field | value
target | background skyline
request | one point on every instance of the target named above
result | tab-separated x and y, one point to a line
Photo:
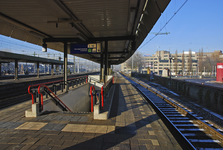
197	24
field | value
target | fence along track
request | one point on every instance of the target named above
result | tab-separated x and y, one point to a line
195	130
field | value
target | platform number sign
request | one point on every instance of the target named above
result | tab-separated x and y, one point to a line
91	48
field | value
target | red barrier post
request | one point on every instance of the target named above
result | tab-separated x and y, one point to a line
102	98
92	98
86	79
41	97
113	80
31	94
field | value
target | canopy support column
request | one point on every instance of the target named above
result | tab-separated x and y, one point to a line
102	68
106	61
52	69
65	66
37	69
16	69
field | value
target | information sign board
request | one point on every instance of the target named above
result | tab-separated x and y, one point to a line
91	48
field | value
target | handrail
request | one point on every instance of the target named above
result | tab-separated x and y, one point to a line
43	85
31	94
41	97
92	101
102	92
35	85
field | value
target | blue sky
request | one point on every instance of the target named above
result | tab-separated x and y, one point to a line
198	24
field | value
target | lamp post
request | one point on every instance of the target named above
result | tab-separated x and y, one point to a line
170	70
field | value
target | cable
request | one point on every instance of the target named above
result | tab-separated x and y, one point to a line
164	25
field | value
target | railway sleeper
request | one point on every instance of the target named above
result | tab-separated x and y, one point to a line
206	143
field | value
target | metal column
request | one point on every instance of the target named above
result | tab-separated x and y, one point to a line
74	66
65	66
106	61
52	69
16	69
102	68
37	69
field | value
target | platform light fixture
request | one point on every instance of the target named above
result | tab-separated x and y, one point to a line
44	47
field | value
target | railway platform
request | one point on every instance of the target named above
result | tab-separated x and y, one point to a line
133	124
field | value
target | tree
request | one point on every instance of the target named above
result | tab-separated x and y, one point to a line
190	61
183	62
211	60
200	60
175	62
137	61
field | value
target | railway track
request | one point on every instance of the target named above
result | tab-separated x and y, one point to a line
192	131
11	95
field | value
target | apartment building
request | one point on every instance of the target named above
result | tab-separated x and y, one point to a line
164	60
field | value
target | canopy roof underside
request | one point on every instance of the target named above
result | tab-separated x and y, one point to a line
123	23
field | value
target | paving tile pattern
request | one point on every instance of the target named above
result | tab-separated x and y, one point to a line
133	124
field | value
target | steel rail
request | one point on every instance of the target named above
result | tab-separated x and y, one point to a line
207	129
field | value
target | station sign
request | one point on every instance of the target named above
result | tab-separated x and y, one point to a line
91	48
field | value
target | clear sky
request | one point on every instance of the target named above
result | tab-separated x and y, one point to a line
198	24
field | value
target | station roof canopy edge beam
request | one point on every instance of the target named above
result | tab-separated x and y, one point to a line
123	23
6	57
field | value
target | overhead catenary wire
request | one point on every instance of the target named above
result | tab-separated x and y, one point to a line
164	25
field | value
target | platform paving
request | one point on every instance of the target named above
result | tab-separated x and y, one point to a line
133	124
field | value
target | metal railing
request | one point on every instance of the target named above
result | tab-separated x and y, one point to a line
56	100
33	89
94	97
104	90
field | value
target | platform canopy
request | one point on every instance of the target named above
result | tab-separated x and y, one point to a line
123	23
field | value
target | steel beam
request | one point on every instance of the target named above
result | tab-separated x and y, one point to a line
63	40
108	58
83	29
23	24
112	38
118	52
